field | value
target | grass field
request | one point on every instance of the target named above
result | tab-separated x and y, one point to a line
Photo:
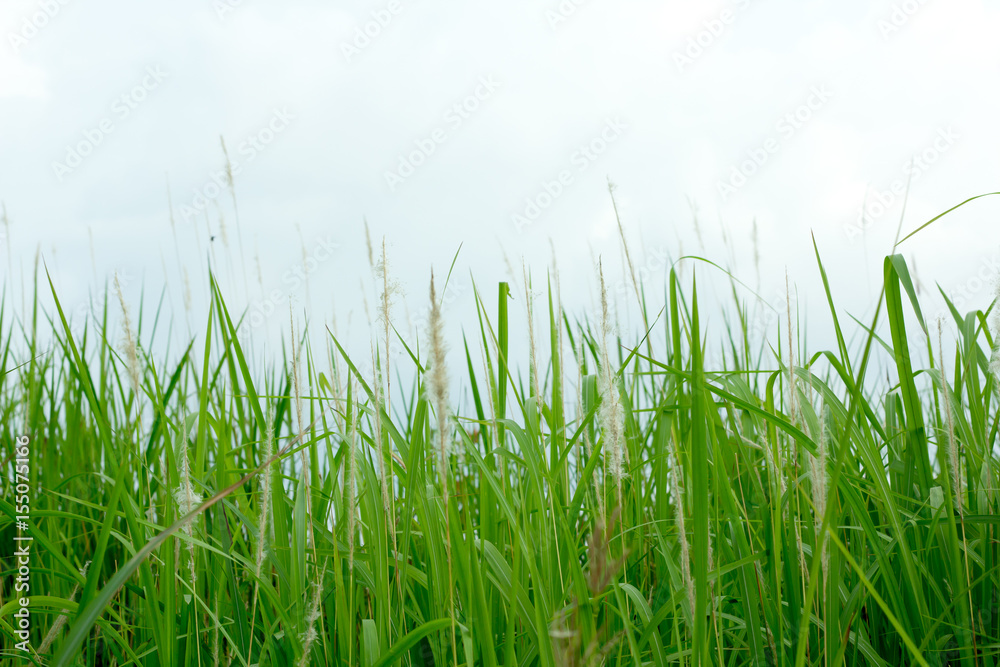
609	500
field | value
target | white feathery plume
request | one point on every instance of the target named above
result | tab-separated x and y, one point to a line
529	304
223	232
954	461
437	389
792	399
231	185
187	499
61	620
368	243
676	477
310	635
389	291
817	471
380	445
264	514
437	385
187	291
304	455
264	482
793	409
305	260
611	415
130	347
260	272
956	475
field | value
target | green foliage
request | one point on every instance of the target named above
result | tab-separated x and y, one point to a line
828	519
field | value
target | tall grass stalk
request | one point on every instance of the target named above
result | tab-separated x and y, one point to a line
676	494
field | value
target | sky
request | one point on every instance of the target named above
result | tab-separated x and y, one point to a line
486	134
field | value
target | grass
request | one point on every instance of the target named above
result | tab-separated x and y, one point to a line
629	503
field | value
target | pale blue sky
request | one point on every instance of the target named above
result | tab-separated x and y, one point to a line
797	106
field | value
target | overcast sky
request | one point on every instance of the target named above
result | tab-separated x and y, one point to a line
494	127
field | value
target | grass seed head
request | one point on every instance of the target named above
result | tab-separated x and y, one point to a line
130	347
368	242
817	471
437	385
677	484
187	499
952	443
611	415
264	481
309	635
